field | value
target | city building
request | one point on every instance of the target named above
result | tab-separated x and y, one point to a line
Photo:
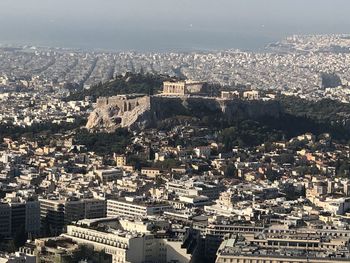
133	207
108	175
279	248
120	160
56	213
136	247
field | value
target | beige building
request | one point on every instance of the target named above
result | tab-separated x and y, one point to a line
335	206
191	188
251	95
120	160
128	184
150	172
283	248
220	227
131	247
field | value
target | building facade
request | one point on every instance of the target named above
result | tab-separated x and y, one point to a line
181	88
55	214
134	208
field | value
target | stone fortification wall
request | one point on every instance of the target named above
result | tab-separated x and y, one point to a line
123	102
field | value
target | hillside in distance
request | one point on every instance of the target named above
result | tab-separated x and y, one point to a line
295	115
129	83
135	83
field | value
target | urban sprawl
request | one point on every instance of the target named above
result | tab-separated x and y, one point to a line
177	194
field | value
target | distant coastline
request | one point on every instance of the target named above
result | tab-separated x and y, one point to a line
176	42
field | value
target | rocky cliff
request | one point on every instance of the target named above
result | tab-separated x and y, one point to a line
122	111
118	111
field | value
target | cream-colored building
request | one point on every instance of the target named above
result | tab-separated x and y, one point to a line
131	247
251	95
150	172
335	206
128	184
120	160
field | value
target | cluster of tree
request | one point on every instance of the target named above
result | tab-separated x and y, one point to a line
101	143
167	164
253	132
126	84
285	158
325	110
73	87
292	192
343	167
230	171
294	124
104	143
39	130
138	161
269	129
247	133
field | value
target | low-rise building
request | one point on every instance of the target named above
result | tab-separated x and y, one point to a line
150	172
278	248
136	247
135	208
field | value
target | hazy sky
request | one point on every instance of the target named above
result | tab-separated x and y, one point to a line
165	24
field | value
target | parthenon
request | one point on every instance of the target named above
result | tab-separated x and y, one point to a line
181	88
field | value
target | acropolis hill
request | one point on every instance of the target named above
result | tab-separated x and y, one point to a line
136	110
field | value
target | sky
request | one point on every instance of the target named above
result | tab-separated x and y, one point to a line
161	25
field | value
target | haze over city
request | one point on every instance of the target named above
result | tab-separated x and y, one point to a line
163	25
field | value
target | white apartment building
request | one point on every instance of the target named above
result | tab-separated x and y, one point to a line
132	208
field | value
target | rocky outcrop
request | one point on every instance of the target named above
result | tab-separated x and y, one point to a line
104	118
142	111
118	111
200	107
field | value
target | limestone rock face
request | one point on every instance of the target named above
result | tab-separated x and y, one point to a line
118	111
104	119
139	111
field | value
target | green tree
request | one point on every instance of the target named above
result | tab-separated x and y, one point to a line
272	175
230	171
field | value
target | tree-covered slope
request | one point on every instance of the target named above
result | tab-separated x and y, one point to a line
127	84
